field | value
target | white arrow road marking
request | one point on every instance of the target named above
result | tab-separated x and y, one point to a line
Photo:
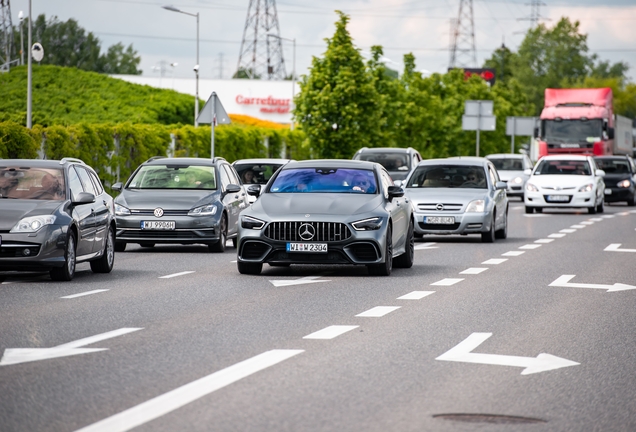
530	246
557	235
563	281
494	261
82	294
415	295
578	226
175	399
513	253
331	332
175	275
462	353
301	281
474	270
567	230
378	311
544	241
23	355
423	246
448	281
615	247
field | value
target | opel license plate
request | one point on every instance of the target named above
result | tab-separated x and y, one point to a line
307	247
158	225
440	220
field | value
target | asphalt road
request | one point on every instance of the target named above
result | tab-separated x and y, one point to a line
462	341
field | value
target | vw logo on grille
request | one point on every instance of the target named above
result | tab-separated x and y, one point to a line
158	212
439	207
306	231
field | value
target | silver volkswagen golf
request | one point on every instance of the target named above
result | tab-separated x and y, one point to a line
327	212
458	196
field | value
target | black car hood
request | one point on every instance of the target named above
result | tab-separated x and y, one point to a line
176	199
616	177
279	204
11	211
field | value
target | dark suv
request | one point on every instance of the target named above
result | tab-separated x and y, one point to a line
180	200
399	162
54	214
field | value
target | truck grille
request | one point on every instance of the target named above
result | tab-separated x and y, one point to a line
300	231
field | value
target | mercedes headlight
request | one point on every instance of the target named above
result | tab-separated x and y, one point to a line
252	223
586	188
476	206
120	210
624	184
368	224
32	224
531	188
206	210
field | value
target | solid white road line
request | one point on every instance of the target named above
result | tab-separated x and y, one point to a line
415	295
513	253
530	246
495	261
85	293
578	226
331	332
175	275
474	270
168	402
447	281
378	311
542	241
557	235
567	230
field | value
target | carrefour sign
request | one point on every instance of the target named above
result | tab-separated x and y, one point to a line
269	104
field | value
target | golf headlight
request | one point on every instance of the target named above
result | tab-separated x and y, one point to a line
517	180
625	183
476	206
120	210
368	224
206	210
251	223
586	188
531	188
32	224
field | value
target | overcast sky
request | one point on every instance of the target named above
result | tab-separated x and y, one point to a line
400	26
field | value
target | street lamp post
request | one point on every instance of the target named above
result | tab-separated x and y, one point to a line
293	80
29	75
21	18
196	66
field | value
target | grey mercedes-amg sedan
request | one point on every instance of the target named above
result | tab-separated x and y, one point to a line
327	212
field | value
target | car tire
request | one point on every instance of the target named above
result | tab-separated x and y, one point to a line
489	236
503	233
67	271
592	210
147	244
235	242
104	264
631	201
249	268
601	207
529	210
406	259
219	246
120	246
385	268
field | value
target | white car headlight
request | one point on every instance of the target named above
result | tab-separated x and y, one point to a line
517	180
368	224
586	188
624	184
32	224
206	210
476	206
531	188
120	210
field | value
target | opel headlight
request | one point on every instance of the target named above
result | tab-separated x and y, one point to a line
586	188
120	210
368	224
32	224
531	188
206	210
251	223
625	183
476	206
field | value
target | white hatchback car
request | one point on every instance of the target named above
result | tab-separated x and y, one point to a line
565	181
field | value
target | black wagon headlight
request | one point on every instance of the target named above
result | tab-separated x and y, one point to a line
368	224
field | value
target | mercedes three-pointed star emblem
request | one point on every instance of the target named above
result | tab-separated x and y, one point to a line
306	231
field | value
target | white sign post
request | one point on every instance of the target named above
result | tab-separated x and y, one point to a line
478	116
523	126
213	113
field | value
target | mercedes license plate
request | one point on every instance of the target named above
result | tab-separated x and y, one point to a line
440	220
157	225
558	198
307	247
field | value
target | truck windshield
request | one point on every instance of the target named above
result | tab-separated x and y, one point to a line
572	131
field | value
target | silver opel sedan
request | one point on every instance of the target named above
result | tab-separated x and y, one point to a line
458	196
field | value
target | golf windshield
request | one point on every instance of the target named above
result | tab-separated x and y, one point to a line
174	177
325	180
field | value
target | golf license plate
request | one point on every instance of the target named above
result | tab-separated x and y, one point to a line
307	247
558	198
158	225
439	220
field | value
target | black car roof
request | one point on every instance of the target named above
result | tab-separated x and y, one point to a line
330	163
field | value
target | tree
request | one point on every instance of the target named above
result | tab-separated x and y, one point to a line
338	106
502	62
390	101
118	61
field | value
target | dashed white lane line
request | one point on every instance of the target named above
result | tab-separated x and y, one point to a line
474	270
578	226
85	293
607	216
378	311
587	223
175	275
542	241
495	261
596	219
175	399
301	281
423	246
622	214
530	246
447	281
567	230
415	295
234	262
331	332
539	215
557	235
513	253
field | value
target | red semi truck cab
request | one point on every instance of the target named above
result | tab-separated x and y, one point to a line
576	121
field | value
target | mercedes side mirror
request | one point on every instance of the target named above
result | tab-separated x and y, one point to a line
254	190
84	198
395	192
